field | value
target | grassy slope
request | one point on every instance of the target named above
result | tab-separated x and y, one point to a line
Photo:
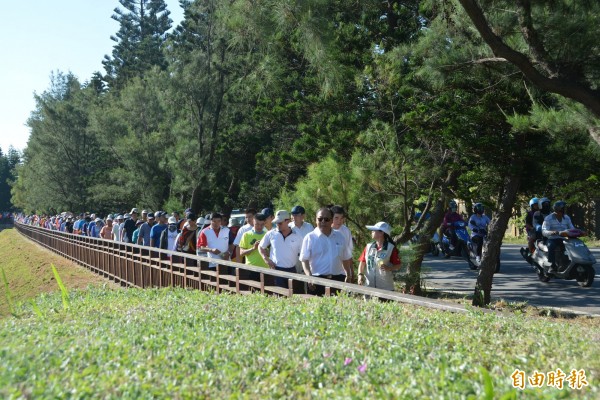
28	271
187	344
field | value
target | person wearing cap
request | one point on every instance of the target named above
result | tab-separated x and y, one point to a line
69	224
144	236
169	235
379	259
186	239
117	228
157	230
339	224
324	253
250	213
214	240
250	241
145	215
200	222
285	245
107	230
129	226
183	221
268	213
299	224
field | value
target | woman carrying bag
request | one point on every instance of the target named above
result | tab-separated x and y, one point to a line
379	259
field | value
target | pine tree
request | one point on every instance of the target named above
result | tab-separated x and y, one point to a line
144	25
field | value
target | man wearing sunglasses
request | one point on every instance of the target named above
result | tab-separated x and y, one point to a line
324	253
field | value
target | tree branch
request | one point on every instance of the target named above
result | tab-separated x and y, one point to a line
540	55
573	90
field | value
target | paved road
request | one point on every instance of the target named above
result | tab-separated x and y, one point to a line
516	281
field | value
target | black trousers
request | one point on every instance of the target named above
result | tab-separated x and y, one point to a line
320	290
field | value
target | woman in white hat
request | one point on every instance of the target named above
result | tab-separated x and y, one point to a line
379	259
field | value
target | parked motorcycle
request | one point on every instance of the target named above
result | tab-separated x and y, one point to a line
462	243
434	244
473	252
574	261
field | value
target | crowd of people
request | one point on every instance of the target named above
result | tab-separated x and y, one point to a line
283	241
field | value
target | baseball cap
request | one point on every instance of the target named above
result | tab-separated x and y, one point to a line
144	211
267	212
200	221
298	210
281	216
172	220
381	226
151	215
134	210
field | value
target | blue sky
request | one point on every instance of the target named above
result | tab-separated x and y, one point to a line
41	37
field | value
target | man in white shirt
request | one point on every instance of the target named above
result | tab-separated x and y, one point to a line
339	224
214	240
285	247
116	229
298	224
324	253
250	213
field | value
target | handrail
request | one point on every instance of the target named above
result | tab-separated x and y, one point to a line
139	266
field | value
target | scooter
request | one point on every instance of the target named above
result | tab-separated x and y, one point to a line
462	243
435	243
573	262
473	251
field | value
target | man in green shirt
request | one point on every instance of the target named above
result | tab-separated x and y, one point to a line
251	239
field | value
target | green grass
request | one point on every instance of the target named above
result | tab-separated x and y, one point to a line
130	344
28	271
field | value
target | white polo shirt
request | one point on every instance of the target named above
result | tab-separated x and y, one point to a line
284	251
241	231
208	238
325	253
304	230
347	237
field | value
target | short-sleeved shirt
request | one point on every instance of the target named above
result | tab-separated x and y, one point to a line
304	230
240	233
247	241
209	238
347	237
285	251
325	253
128	228
145	233
155	233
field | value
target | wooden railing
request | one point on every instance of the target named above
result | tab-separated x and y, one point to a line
145	267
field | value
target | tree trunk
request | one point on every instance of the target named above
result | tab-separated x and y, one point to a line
413	279
491	248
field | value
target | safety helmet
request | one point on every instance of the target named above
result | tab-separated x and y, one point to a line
542	201
478	208
453	206
533	201
559	206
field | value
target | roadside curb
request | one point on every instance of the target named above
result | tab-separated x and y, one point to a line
557	309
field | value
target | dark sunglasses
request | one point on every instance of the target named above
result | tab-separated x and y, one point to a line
326	219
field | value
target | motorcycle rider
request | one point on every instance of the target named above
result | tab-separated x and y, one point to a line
450	218
553	224
529	228
540	215
478	224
